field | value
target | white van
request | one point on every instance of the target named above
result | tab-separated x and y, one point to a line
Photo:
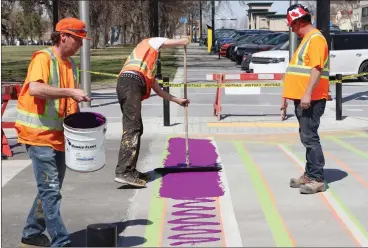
348	56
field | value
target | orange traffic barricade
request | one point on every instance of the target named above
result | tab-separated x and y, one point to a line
223	78
9	92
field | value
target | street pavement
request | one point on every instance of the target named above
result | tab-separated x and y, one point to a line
248	203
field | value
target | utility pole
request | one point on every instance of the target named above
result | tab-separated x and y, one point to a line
323	24
156	34
55	12
323	19
213	50
84	54
200	20
292	37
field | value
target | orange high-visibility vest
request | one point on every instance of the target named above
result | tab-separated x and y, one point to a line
298	71
143	59
40	121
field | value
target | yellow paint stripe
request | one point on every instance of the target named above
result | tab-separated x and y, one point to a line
252	124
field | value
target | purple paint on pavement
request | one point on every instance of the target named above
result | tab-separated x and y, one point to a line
192	225
194	190
191	185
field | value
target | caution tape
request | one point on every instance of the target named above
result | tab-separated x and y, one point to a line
110	74
226	85
206	85
349	77
101	73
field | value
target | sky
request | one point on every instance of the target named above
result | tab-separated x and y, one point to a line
239	11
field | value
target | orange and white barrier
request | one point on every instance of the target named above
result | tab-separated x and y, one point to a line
224	78
247	76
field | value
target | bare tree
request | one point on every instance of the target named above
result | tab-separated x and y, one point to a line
344	10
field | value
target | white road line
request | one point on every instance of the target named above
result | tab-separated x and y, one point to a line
354	110
359	236
11	168
229	222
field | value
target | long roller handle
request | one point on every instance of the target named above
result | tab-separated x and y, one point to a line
186	108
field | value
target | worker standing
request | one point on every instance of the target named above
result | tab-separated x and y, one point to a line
136	79
50	93
306	83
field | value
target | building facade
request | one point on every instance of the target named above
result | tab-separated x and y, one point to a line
360	16
261	17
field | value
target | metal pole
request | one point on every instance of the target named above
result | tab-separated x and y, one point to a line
155	19
292	37
55	12
84	54
339	97
323	24
156	34
213	49
200	20
166	103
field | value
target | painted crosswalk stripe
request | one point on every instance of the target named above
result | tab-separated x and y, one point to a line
153	232
229	222
276	223
349	147
356	229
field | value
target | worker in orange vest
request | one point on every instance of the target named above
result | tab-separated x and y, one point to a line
306	82
50	92
136	79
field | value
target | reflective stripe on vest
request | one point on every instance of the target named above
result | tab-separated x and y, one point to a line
50	120
132	60
300	68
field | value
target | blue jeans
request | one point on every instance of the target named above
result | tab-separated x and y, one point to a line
309	121
49	170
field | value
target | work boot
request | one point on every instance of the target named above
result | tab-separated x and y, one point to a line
312	187
297	182
36	240
131	179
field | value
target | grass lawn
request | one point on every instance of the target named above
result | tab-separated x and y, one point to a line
15	61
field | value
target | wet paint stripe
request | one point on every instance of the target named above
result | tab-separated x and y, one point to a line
355	227
154	232
229	222
349	147
281	235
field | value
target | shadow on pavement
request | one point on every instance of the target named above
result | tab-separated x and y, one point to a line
333	175
357	96
79	238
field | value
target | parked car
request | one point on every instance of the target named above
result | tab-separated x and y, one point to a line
226	48
237	33
278	40
239	50
348	56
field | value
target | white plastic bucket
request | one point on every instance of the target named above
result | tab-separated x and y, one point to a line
84	134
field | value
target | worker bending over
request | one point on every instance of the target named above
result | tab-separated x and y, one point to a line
136	79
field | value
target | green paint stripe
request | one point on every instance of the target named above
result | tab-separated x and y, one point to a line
274	220
339	201
349	214
152	233
349	147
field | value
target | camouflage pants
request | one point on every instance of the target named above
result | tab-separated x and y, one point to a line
129	91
